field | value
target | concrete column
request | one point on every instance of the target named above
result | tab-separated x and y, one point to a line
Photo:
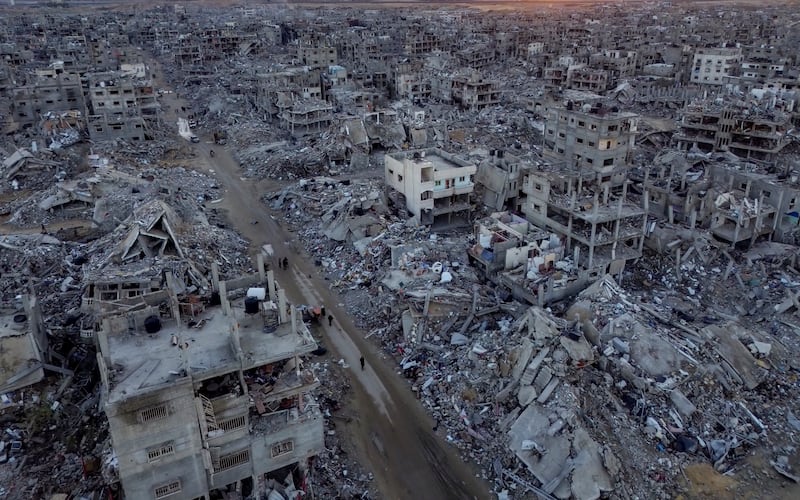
214	276
223	297
576	255
282	306
260	265
271	285
670	214
678	262
692	219
294	318
591	246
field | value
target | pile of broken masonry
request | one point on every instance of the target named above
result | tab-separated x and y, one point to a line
619	391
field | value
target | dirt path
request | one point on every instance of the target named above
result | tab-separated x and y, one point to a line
391	431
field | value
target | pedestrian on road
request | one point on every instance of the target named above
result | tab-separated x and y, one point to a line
436	426
280	264
330	320
362	362
322	311
285	263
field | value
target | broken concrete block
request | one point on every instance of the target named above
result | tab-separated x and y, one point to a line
459	339
762	348
579	350
526	395
590	478
682	403
543	378
551	386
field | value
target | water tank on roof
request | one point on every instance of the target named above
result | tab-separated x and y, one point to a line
251	305
152	324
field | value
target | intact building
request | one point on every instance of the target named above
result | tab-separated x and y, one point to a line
434	186
711	65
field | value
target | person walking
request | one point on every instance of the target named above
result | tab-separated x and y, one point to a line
322	311
330	320
362	362
285	263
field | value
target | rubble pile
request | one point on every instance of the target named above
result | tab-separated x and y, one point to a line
335	473
505	384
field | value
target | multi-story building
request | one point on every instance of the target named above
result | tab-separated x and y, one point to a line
53	92
435	186
307	116
118	106
471	91
588	135
710	66
206	394
601	227
582	77
748	132
317	56
618	64
528	261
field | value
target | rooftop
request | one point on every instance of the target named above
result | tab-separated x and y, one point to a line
140	361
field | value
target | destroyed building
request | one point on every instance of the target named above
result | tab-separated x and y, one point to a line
433	186
24	345
752	132
119	105
220	400
53	91
500	175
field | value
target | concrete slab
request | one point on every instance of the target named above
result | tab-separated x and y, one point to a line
532	424
589	479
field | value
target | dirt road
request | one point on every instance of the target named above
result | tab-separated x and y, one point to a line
391	432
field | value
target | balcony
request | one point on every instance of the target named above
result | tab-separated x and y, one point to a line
443	192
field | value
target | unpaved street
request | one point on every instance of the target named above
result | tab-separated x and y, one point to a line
391	432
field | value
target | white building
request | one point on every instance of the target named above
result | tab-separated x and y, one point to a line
436	185
712	65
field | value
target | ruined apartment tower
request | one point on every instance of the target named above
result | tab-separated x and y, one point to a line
433	185
582	195
750	132
208	395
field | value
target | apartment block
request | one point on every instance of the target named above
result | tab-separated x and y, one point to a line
317	56
472	91
206	394
588	135
52	92
750	132
582	77
434	186
710	66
